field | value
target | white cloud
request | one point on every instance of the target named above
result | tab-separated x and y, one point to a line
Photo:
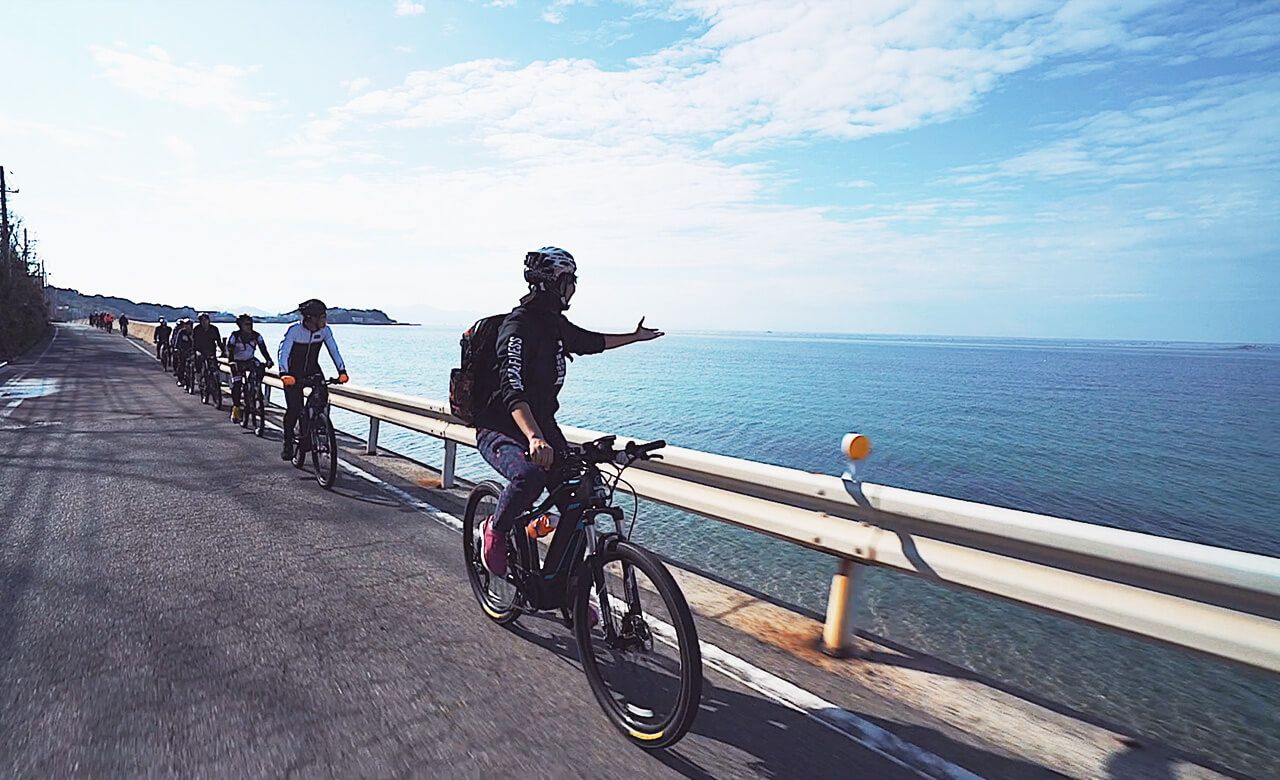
764	72
409	8
1213	125
155	75
179	148
356	85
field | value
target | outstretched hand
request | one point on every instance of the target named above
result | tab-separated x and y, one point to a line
646	334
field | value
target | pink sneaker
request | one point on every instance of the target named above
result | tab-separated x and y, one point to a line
494	550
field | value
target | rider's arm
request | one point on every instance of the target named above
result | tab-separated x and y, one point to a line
286	346
513	343
262	345
580	341
584	342
332	345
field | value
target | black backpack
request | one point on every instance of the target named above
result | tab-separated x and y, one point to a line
475	380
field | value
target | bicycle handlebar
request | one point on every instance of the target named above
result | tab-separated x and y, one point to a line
602	451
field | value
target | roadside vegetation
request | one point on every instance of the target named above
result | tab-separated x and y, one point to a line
24	312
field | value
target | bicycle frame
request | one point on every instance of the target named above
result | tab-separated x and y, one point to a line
545	585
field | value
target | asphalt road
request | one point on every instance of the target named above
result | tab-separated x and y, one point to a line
175	600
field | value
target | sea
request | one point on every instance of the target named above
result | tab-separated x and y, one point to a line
1176	439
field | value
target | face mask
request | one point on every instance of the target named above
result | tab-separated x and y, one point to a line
567	285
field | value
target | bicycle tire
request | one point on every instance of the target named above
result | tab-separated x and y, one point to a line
674	727
260	423
477	575
215	389
326	473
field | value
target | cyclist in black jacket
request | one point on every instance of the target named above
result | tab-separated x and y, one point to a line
517	430
161	336
207	339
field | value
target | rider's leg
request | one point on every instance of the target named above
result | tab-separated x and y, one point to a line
292	411
525	482
237	383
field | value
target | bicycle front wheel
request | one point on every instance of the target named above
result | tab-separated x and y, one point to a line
641	656
324	451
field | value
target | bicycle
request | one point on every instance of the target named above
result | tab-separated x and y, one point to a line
210	381
184	367
165	354
254	410
315	432
649	698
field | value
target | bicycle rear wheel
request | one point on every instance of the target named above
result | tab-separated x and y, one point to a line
642	658
324	451
260	412
213	379
497	595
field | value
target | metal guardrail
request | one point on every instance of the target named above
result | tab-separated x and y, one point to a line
1220	602
1215	601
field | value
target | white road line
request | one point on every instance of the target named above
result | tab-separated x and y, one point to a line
143	349
8	409
43	352
867	734
5	363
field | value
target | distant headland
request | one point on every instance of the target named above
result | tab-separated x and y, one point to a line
68	305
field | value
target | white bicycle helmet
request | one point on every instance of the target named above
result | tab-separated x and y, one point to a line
551	269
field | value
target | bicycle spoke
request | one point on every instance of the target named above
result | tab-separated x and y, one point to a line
643	677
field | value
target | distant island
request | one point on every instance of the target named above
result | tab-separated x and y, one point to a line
66	305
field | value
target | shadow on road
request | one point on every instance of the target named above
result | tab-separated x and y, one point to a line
775	740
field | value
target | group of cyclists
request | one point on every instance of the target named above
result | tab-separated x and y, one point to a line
513	407
106	321
192	351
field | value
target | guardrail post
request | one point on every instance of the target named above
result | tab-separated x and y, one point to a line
371	446
266	395
838	632
450	456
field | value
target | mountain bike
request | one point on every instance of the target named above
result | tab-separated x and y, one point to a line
253	414
210	380
315	432
635	633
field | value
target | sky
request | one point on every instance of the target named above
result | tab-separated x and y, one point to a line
1065	169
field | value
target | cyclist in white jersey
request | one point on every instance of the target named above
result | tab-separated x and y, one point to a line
299	357
241	346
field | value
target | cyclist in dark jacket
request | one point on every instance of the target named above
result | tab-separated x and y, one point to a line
207	337
517	430
161	336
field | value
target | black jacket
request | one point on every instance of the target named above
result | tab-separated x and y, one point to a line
533	343
207	339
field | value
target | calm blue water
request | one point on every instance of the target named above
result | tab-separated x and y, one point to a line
1181	440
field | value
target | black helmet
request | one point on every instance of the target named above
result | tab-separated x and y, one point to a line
312	307
243	318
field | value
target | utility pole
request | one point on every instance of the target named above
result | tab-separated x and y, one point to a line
4	216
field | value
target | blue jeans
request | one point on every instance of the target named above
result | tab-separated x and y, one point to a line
509	456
